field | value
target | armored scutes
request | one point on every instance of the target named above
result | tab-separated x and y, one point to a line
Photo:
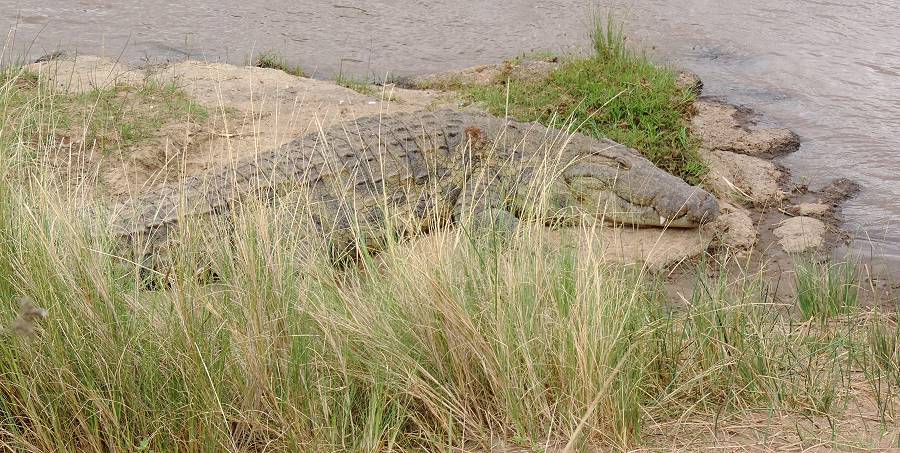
435	167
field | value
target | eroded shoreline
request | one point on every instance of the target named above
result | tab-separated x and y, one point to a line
509	346
257	109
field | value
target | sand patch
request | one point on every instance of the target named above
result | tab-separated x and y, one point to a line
86	73
655	249
527	70
800	234
250	110
742	178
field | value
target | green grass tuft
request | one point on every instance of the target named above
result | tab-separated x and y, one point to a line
825	290
608	38
616	93
360	86
107	118
274	60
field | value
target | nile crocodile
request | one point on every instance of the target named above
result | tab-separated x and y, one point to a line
436	167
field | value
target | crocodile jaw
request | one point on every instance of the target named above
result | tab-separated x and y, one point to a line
612	182
646	196
610	207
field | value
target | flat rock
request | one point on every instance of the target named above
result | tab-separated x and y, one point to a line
724	128
735	230
812	209
742	178
800	234
85	73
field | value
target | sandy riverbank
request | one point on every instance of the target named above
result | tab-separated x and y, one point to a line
255	109
448	336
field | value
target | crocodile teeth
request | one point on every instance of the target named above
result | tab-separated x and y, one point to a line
662	220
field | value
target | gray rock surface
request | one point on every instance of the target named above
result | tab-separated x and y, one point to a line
723	129
735	230
812	209
800	234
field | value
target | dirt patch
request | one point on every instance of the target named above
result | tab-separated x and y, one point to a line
484	75
653	249
860	427
85	73
735	230
743	178
250	110
800	234
812	209
768	221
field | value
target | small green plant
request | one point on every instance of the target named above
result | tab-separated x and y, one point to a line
111	117
360	86
825	290
608	39
274	60
539	55
883	337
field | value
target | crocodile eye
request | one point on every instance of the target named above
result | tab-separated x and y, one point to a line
475	135
607	155
598	158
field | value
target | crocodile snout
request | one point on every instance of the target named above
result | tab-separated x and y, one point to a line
637	192
703	207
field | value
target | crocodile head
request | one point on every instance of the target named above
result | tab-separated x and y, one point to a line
616	184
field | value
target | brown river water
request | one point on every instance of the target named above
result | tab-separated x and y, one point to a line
828	69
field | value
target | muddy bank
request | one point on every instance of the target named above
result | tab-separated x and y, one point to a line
767	222
764	217
250	110
831	76
256	109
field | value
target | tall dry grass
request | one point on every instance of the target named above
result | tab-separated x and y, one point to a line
253	341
